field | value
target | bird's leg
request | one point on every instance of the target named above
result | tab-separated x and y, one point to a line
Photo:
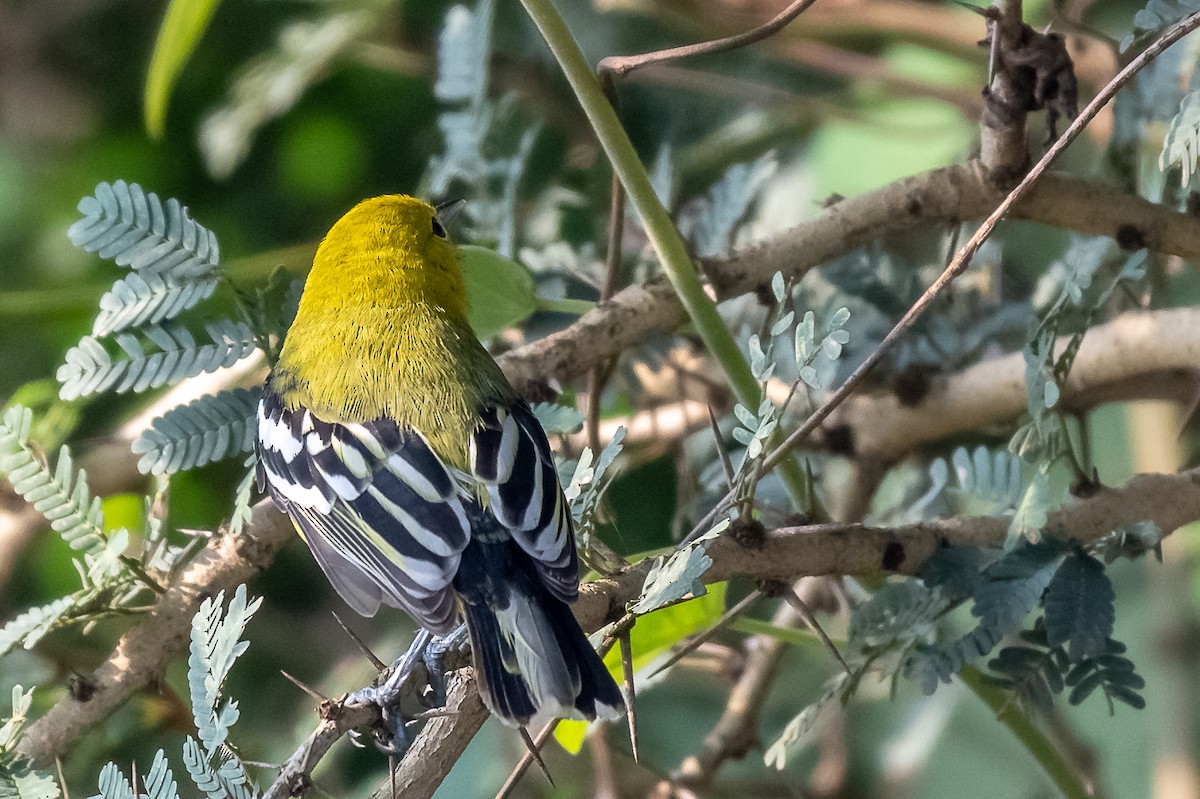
407	675
417	674
436	654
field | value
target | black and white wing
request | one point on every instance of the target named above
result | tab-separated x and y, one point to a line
511	456
379	510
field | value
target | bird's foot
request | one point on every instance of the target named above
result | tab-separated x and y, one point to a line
414	683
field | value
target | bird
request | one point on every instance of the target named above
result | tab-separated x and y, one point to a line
416	475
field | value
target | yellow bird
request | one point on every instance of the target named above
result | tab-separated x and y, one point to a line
416	475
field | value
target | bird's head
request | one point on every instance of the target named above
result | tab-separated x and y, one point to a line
389	250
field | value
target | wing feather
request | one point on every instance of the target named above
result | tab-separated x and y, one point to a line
377	507
511	456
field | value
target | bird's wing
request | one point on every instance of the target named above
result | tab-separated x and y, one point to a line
511	457
376	506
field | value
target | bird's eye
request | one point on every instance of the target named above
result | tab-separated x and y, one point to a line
438	230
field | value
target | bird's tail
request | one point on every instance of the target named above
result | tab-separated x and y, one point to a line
534	662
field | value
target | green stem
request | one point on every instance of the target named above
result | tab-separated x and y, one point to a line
58	299
565	305
664	237
1008	713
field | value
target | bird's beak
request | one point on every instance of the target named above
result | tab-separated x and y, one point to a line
448	210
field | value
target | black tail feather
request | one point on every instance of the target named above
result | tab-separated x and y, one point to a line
517	626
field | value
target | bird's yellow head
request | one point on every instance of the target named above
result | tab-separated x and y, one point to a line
387	251
382	329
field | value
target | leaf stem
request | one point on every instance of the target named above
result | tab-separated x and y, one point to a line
664	236
565	305
1008	713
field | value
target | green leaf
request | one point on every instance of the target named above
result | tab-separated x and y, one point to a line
673	577
182	27
500	290
1079	607
649	639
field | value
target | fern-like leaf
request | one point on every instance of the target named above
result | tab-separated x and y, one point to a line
244	496
90	369
22	783
213	783
795	735
1181	145
1079	607
136	229
31	626
1010	589
207	429
61	496
149	298
1112	673
1154	17
215	646
160	782
113	784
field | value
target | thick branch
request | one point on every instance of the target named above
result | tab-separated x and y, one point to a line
939	197
1137	355
144	652
440	744
1170	500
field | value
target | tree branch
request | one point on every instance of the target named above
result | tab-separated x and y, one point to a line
939	197
146	649
1140	355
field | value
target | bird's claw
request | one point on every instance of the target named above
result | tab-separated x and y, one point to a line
418	674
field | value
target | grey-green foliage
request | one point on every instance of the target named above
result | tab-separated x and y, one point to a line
172	259
811	359
901	615
977	482
212	766
1070	299
215	645
797	733
674	576
24	783
1036	671
244	496
61	495
173	355
1155	17
1079	610
589	481
557	419
270	84
174	265
1181	145
487	146
712	222
815	354
1010	588
207	429
17	780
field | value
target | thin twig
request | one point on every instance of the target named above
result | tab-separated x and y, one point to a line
630	692
623	65
736	732
698	639
526	760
